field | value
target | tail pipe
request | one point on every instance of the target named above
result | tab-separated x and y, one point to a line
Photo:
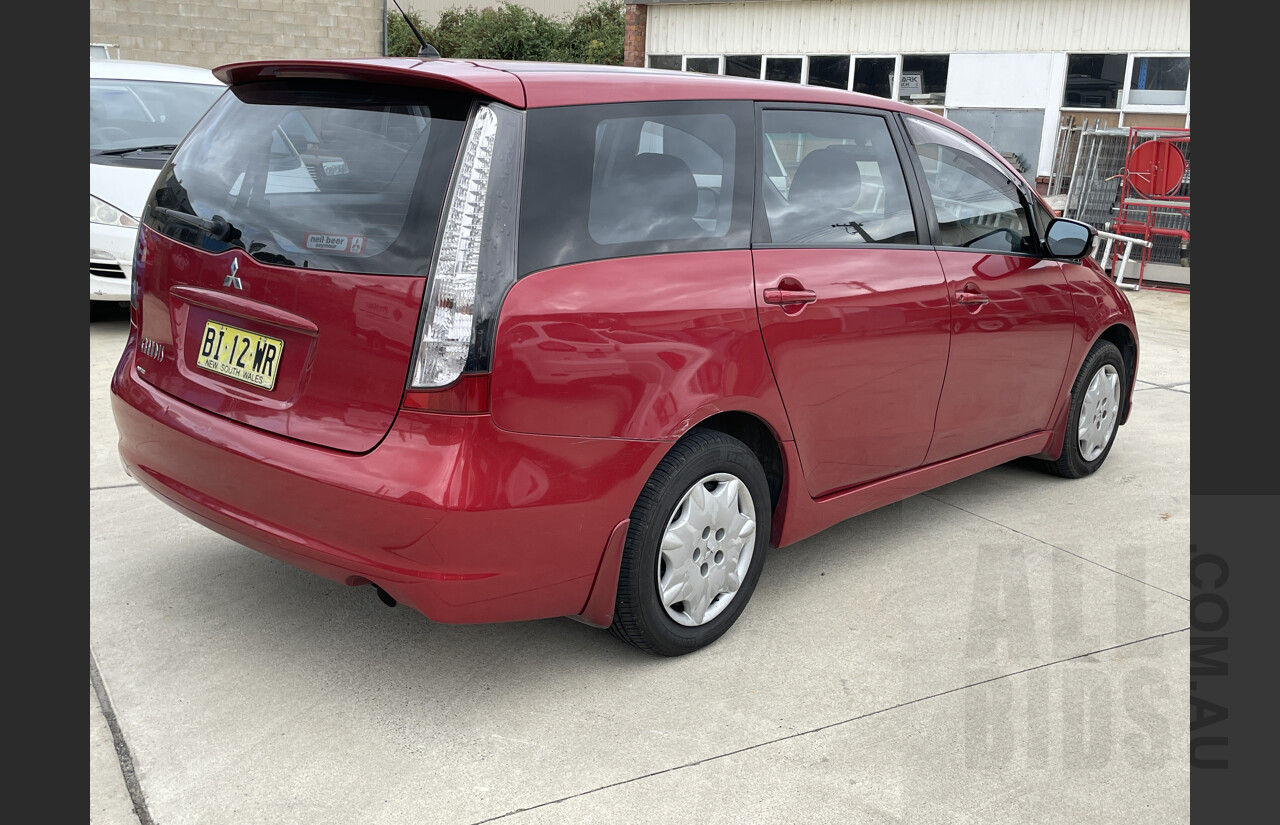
384	596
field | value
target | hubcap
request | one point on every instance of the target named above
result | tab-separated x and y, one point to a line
706	550
1099	411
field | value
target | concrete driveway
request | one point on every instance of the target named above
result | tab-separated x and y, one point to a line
1010	648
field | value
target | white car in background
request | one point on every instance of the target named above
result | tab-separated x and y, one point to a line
138	113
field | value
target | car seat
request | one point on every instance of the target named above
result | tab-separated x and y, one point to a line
660	196
825	187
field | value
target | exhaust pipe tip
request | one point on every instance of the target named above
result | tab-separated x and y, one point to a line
385	596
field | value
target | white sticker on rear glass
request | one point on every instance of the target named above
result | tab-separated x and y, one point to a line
325	242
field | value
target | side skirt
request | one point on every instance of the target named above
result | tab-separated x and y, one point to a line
799	516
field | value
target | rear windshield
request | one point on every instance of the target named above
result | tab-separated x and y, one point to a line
345	177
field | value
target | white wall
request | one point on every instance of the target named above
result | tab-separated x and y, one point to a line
898	26
979	80
1003	81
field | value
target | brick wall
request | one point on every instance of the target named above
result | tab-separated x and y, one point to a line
633	38
209	33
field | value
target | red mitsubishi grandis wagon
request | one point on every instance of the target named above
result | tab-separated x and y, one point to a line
510	341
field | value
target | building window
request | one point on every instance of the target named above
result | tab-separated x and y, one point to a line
705	65
664	61
831	71
874	75
742	65
924	79
1094	81
786	69
1159	81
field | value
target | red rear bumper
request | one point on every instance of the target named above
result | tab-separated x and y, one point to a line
451	515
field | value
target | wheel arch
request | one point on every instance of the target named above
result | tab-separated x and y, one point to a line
1123	337
1125	341
760	438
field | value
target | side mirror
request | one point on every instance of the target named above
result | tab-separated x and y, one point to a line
1067	238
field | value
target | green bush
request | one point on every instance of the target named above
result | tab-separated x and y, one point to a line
513	32
400	39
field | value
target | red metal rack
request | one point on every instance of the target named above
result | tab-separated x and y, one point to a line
1155	173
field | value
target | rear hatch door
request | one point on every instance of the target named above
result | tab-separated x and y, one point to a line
286	248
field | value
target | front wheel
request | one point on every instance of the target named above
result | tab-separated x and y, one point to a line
695	546
1097	397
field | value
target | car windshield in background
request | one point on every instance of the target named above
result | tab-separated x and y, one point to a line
131	115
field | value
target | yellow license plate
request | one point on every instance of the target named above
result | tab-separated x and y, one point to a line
244	356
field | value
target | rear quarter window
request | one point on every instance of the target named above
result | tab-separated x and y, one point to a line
635	179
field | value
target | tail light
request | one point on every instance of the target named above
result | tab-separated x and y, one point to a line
135	281
474	262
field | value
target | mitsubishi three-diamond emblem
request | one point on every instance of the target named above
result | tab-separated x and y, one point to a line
233	279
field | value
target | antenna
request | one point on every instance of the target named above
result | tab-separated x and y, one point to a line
426	49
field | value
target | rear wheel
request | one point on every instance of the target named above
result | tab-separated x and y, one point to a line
695	546
1097	397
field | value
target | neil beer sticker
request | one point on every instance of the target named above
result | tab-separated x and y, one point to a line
325	242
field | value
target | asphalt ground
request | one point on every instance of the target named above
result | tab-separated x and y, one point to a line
1009	648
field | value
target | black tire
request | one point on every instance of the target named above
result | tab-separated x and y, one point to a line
709	563
1084	449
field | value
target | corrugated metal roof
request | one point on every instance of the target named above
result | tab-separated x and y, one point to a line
919	26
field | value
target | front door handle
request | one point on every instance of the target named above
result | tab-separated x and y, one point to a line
787	297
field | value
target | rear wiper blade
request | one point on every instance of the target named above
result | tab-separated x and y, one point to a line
218	227
129	150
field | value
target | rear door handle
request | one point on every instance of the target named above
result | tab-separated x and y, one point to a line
971	298
786	297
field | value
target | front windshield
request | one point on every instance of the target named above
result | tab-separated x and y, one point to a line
127	115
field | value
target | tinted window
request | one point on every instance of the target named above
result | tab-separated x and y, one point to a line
831	71
784	69
742	65
874	76
654	179
976	199
635	179
1094	80
706	65
924	75
838	180
344	177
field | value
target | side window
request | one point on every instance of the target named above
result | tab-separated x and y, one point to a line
613	180
833	178
977	202
659	179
